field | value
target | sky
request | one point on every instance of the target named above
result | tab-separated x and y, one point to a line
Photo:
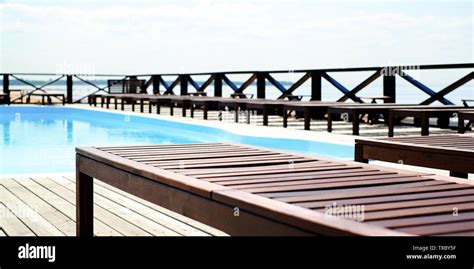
143	37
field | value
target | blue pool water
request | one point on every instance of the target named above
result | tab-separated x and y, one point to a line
43	139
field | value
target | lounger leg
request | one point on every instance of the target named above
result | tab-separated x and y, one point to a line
425	124
265	116
205	108
141	105
191	111
133	105
307	118
115	103
101	101
122	104
329	122
458	174
149	107
461	124
158	108
285	118
355	123
391	125
359	154
84	205
184	110
236	113
171	109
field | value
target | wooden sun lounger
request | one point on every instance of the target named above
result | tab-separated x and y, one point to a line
443	113
47	97
310	109
449	152
206	103
235	104
266	107
358	110
462	116
374	109
247	190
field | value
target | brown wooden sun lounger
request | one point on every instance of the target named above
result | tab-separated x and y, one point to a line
46	97
310	109
356	111
443	113
235	104
246	190
266	107
206	104
462	116
449	152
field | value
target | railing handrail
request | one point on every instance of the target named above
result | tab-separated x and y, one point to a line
183	81
345	69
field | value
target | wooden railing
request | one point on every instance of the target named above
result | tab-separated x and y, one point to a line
182	83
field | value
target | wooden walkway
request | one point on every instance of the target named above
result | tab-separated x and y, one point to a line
45	206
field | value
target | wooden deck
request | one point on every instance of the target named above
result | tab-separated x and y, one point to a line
45	206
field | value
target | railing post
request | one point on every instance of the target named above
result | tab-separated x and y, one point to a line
6	86
156	84
183	82
133	85
69	89
316	86
389	85
260	85
217	85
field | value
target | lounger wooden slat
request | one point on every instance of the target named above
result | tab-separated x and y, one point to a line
284	195
450	155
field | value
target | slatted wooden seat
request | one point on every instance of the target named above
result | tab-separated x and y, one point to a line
450	152
246	190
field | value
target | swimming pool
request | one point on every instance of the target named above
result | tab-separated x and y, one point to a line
43	139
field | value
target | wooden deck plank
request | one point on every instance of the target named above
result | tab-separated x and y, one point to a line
61	221
11	224
65	206
116	221
125	208
181	223
27	215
